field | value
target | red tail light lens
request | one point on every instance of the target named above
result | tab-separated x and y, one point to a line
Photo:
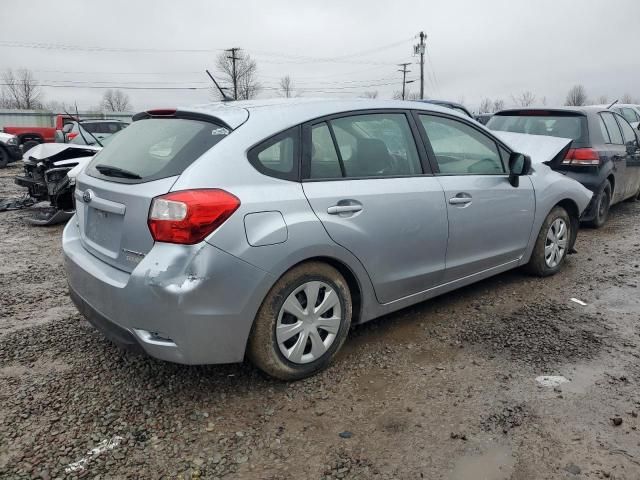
188	216
71	136
581	157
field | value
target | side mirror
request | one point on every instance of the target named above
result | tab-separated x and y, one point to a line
519	165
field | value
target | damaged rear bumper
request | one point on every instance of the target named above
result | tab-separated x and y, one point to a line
186	304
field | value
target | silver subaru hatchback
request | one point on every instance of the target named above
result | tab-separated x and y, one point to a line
266	229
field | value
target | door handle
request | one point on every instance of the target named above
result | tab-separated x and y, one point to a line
337	209
460	200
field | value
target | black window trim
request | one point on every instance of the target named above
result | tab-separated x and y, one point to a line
622	119
612	113
306	144
255	150
432	156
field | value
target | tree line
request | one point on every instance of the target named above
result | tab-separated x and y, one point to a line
21	91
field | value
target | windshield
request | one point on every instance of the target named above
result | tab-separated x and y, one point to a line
551	125
156	148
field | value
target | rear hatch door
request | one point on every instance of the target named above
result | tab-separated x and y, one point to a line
115	191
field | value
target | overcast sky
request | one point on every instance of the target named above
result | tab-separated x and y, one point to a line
476	49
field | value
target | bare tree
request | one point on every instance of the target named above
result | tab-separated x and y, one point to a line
525	99
246	71
626	98
603	99
21	90
412	95
577	96
498	104
371	94
286	87
115	101
485	106
58	107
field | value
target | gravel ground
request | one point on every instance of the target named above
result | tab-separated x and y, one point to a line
441	390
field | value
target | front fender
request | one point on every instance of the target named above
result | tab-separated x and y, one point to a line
552	188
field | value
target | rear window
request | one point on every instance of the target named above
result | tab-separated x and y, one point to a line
549	125
103	127
154	148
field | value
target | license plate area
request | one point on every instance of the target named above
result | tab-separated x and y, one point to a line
103	231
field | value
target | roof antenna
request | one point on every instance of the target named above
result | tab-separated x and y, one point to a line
225	98
616	101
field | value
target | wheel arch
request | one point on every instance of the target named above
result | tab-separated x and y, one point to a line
355	287
25	137
612	181
574	214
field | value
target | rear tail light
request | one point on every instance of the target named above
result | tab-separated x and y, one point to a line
581	157
71	136
189	216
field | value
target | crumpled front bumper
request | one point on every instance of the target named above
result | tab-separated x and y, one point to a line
191	304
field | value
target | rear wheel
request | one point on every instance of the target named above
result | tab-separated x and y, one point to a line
552	244
4	158
603	203
302	323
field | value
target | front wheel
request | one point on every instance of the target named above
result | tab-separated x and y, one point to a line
302	323
552	244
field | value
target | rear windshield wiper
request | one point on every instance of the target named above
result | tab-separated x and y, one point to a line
110	171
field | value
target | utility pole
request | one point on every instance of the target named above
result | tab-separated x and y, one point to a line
404	76
419	49
233	59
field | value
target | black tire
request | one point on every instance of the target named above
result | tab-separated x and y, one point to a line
29	144
538	263
263	349
4	158
602	206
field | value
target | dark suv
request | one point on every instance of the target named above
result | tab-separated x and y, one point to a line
604	155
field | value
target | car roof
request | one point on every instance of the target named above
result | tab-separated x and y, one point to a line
585	109
282	113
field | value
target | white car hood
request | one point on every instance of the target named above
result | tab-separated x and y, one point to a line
5	137
539	147
48	150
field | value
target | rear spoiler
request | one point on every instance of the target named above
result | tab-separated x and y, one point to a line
174	113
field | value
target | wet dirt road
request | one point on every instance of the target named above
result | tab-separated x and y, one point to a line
443	390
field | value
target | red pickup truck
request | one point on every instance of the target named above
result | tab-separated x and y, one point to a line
31	136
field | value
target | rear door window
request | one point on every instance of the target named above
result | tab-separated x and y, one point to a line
324	158
374	145
612	128
155	148
628	134
461	149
